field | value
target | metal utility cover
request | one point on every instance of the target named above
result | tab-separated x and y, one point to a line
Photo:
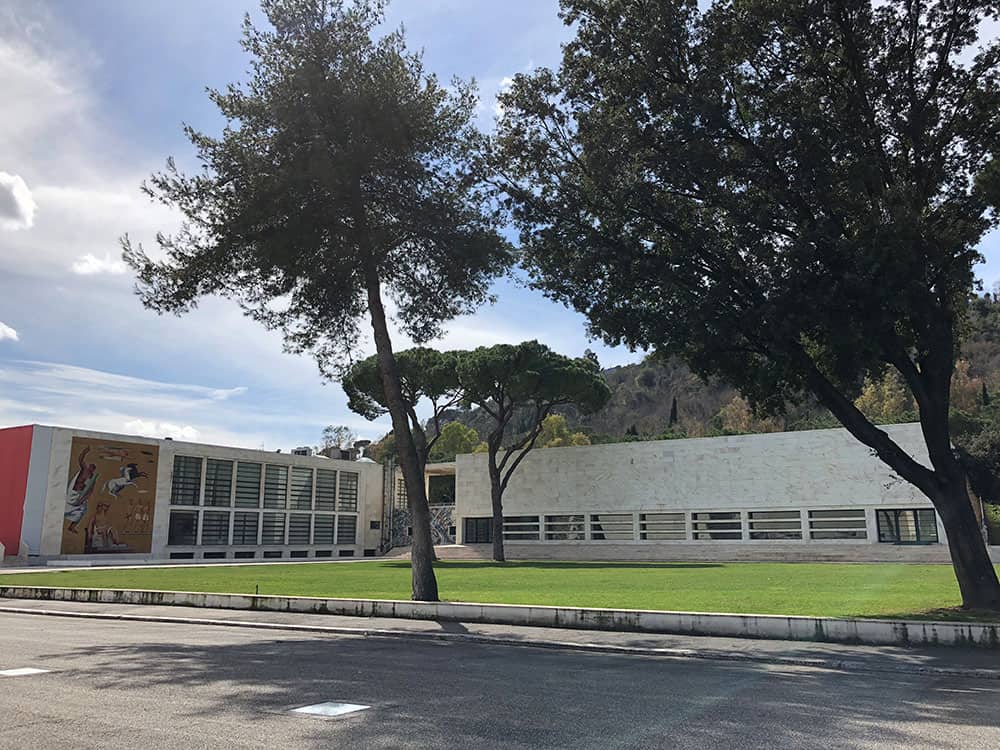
330	709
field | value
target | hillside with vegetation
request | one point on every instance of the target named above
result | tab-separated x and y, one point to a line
663	399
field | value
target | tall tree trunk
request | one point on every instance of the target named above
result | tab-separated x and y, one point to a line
944	485
977	578
422	550
496	498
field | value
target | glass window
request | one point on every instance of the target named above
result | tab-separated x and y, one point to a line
477	530
776	524
183	527
185	484
218	482
521	528
656	527
910	526
347	527
298	528
302	488
323	528
273	529
848	523
248	485
611	526
215	527
347	500
569	528
245	528
326	489
275	486
716	526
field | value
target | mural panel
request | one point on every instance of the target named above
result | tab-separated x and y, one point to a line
110	497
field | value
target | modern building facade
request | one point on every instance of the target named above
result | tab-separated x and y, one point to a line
67	493
814	495
811	495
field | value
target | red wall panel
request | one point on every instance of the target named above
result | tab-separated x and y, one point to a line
15	455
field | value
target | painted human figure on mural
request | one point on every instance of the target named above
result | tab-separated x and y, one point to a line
129	474
101	535
79	490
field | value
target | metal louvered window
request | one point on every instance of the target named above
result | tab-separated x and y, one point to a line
657	527
245	527
347	498
775	524
323	528
185	484
301	489
611	526
299	528
838	524
567	528
215	527
273	529
326	489
347	529
275	486
218	482
716	526
248	485
521	528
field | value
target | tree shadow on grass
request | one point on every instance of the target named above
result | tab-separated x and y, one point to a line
426	694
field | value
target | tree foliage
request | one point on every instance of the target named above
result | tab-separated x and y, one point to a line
789	195
556	433
345	171
506	379
455	438
424	373
337	436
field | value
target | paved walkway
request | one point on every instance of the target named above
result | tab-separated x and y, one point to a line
940	661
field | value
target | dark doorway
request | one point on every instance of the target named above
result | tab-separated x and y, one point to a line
477	531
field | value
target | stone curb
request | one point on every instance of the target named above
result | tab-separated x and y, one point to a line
841	665
773	627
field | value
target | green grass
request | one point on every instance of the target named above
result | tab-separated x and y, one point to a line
835	590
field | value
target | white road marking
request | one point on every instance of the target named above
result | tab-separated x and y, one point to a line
21	672
330	709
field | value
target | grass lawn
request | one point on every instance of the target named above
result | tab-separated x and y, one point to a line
835	590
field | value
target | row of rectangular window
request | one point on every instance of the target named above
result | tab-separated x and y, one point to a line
896	526
245	484
224	528
268	554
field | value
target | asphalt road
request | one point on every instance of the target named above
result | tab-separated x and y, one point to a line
153	685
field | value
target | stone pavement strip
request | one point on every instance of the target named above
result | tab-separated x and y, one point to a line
970	662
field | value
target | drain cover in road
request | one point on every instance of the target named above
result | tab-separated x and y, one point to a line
330	709
21	672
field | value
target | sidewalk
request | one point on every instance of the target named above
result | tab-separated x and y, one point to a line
983	664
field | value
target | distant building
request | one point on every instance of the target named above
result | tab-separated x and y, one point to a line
71	493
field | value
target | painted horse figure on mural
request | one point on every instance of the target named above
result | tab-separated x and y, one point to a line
80	487
129	474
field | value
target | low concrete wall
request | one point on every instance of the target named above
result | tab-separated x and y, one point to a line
827	629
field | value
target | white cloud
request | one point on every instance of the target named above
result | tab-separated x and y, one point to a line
7	333
161	429
17	206
90	264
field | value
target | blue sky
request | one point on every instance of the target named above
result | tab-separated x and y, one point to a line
94	93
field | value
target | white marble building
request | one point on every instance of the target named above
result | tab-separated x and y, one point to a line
816	494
